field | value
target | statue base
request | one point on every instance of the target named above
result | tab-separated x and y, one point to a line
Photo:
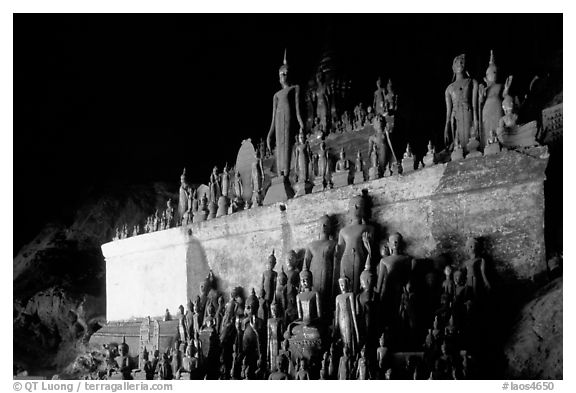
223	203
374	173
472	148
493	148
341	179
318	184
457	155
407	165
474	154
279	191
200	216
302	188
306	343
359	177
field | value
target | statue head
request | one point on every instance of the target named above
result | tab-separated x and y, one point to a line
472	247
390	86
508	104
366	278
491	71
325	225
382	340
342	154
301	137
183	178
306	278
395	242
356	207
291	259
181	309
283	71
271	261
261	293
282	277
430	147
303	364
379	82
459	277
459	64
344	283
448	271
274	308
377	123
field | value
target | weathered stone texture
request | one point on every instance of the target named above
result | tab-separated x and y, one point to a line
534	350
499	198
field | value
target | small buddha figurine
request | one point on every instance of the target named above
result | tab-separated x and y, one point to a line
275	328
408	160
238	202
391	99
393	273
184	195
428	159
448	286
380	141
345	365
473	145
280	294
164	368
123	360
319	258
220	313
269	278
382	356
350	241
510	118
323	162
490	99
345	324
302	158
458	152
308	300
365	302
149	369
202	210
257	176
333	363
359	169
135	231
362	369
169	213
292	286
379	98
286	353
281	372
492	146
225	181
214	186
374	171
303	374
342	165
476	279
263	305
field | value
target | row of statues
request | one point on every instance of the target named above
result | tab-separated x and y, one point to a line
333	313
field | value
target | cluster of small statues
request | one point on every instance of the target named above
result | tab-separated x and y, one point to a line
332	313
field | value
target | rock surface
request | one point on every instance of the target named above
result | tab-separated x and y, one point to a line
59	277
534	349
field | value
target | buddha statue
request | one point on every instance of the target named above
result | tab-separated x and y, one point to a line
269	278
323	170
345	324
428	159
214	186
123	360
263	305
280	294
363	369
351	244
238	202
490	98
184	195
225	180
461	104
281	372
390	99
394	272
303	374
381	141
301	160
379	100
322	102
319	259
365	301
286	120
476	279
345	365
275	330
342	175
257	180
509	121
407	160
359	169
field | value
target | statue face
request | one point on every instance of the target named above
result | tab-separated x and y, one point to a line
491	74
343	283
305	283
459	64
382	341
283	76
471	247
291	259
448	270
274	310
394	242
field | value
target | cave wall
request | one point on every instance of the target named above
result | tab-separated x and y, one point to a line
499	198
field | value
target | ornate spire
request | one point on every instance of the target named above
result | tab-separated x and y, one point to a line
284	61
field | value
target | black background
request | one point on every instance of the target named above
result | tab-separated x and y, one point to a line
106	100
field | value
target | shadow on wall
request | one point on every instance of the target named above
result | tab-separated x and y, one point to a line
197	268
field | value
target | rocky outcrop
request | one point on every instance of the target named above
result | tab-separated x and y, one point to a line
534	349
59	277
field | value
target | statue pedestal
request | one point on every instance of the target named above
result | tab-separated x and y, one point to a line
374	173
493	148
457	154
359	177
407	165
318	184
279	191
202	215
428	159
306	342
302	188
341	179
223	203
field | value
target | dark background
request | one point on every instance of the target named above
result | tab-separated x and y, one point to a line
106	100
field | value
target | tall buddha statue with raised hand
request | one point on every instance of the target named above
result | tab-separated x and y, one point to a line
286	120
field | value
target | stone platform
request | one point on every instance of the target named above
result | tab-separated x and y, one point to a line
498	197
